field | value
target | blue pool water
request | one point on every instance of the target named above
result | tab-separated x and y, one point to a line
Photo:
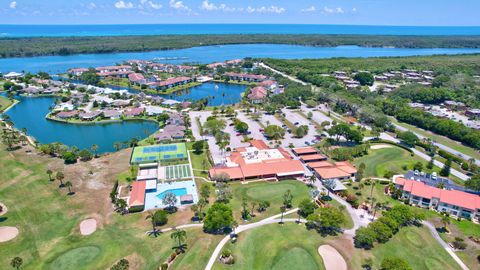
177	191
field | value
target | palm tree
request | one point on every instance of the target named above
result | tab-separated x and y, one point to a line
312	180
445	221
49	172
94	149
153	220
282	209
117	146
60	176
180	236
16	262
69	185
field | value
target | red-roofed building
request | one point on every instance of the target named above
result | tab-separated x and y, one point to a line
454	202
259	162
134	112
329	171
137	195
137	78
170	82
313	158
257	94
245	77
299	151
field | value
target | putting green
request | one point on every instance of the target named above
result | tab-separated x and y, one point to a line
293	258
270	190
75	258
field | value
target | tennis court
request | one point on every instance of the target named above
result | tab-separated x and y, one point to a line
177	171
159	152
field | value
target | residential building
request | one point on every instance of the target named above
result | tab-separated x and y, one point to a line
112	114
67	114
134	112
455	202
245	77
257	94
137	78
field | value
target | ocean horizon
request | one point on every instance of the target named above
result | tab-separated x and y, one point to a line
20	30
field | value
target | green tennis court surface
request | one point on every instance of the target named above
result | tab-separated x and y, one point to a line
159	152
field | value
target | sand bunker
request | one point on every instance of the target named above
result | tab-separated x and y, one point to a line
8	233
88	226
332	259
380	146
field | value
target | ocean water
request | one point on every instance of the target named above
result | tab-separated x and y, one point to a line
209	54
183	29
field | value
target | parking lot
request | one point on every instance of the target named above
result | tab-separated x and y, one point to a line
253	126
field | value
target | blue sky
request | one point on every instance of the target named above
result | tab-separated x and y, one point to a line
366	12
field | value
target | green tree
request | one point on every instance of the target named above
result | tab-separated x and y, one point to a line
306	207
205	191
473	183
153	221
287	199
180	236
364	78
94	150
90	77
364	238
282	210
326	220
263	205
224	192
198	147
117	146
170	199
60	176
240	126
16	262
214	126
418	166
85	155
408	137
49	173
445	221
218	218
69	185
394	263
446	168
430	163
69	157
274	132
382	231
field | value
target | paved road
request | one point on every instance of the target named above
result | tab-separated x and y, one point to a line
439	145
241	228
387	137
450	251
317	116
216	152
283	74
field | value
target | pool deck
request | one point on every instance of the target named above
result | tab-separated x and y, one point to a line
153	202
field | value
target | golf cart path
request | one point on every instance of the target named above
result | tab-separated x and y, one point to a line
449	250
332	259
241	228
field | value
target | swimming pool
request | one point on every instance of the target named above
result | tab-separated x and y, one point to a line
177	191
154	198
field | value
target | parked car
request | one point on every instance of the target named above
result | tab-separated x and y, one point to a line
307	142
261	130
296	123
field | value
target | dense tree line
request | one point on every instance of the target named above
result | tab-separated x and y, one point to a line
446	127
35	46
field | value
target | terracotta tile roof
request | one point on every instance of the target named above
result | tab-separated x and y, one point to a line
257	93
307	158
331	172
137	195
260	144
305	150
452	197
320	164
346	166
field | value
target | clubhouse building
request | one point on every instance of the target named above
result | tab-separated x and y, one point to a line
456	203
258	161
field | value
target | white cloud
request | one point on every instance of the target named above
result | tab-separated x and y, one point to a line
91	5
263	9
178	5
354	10
13	4
337	10
206	5
154	5
123	5
309	9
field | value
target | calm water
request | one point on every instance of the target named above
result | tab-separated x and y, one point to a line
209	54
30	113
217	93
179	29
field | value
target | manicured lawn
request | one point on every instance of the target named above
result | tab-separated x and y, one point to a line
270	191
415	245
290	246
377	193
380	161
4	103
200	162
441	139
48	221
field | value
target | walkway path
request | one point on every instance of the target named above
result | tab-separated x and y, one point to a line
241	228
450	251
191	225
